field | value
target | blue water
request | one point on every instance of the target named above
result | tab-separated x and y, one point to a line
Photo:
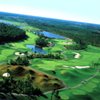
11	23
36	49
6	22
51	35
47	34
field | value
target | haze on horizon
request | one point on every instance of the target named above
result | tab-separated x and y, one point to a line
75	10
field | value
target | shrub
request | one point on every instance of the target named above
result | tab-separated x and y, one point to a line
19	61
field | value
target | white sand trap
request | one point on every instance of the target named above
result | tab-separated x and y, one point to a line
82	67
76	67
65	66
6	75
77	55
67	43
17	53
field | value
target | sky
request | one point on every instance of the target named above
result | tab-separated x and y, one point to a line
75	10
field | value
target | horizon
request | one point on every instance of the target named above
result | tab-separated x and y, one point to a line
50	18
77	10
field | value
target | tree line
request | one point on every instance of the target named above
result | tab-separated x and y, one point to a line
88	33
78	31
11	33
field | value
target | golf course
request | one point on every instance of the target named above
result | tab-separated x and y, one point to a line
64	63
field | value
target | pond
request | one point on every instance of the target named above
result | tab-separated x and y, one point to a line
36	49
47	34
51	35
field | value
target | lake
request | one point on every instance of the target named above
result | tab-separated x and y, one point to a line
51	35
36	49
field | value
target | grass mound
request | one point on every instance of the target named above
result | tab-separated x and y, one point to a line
39	79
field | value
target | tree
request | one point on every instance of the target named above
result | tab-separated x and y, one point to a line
10	33
10	85
19	60
42	42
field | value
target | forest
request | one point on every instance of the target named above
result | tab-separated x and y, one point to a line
87	33
9	33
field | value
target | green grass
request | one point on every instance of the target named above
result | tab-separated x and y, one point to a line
31	40
71	77
9	49
86	59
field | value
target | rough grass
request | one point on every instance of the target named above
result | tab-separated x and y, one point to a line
39	79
